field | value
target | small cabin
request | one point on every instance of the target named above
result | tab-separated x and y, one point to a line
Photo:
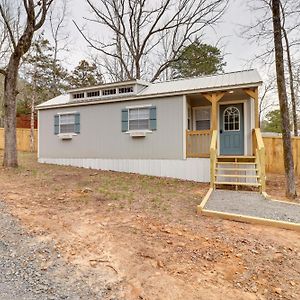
204	129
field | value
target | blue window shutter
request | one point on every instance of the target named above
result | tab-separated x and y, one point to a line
153	120
77	123
56	124
124	120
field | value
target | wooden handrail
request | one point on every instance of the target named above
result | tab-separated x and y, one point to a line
198	132
213	157
260	157
259	139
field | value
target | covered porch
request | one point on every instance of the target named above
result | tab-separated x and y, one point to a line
224	126
230	113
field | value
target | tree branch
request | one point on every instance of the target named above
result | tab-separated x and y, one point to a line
8	27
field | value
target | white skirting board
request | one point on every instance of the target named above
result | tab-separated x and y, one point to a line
195	169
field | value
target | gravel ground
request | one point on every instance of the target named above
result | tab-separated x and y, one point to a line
252	204
32	269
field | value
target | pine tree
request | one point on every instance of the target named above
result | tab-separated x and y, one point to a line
84	75
198	59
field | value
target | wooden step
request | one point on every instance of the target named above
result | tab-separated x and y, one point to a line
236	176
235	169
239	183
237	156
235	163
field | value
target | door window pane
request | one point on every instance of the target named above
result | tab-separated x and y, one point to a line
231	119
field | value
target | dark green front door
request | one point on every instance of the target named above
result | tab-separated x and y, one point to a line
232	129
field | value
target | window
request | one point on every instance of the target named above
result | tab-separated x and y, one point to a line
231	119
93	94
67	123
202	118
124	90
78	95
139	118
109	92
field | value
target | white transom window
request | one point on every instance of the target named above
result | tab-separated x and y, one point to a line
139	118
231	119
67	123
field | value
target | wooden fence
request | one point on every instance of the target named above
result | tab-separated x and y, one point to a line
23	139
274	154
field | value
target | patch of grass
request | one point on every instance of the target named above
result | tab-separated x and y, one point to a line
34	172
116	195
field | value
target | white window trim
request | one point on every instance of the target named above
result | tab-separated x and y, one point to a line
126	93
243	102
71	134
195	108
139	106
93	97
139	130
110	95
61	134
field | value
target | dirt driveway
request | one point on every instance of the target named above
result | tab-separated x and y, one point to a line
141	236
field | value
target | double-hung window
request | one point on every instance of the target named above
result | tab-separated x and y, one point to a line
67	123
139	119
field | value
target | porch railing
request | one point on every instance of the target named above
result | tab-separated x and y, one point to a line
213	157
198	143
260	154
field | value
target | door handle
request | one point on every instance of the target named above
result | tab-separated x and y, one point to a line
221	131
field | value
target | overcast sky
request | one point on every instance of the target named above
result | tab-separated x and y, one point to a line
238	50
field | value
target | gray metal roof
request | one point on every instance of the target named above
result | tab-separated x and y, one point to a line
220	81
61	99
224	81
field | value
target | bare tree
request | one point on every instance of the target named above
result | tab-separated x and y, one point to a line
60	37
137	27
282	95
35	15
261	32
266	94
290	63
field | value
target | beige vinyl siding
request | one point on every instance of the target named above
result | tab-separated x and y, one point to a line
101	136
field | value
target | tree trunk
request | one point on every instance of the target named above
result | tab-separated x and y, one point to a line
9	99
32	120
282	95
291	76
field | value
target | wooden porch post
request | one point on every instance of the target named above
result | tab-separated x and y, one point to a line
253	93
214	98
214	122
